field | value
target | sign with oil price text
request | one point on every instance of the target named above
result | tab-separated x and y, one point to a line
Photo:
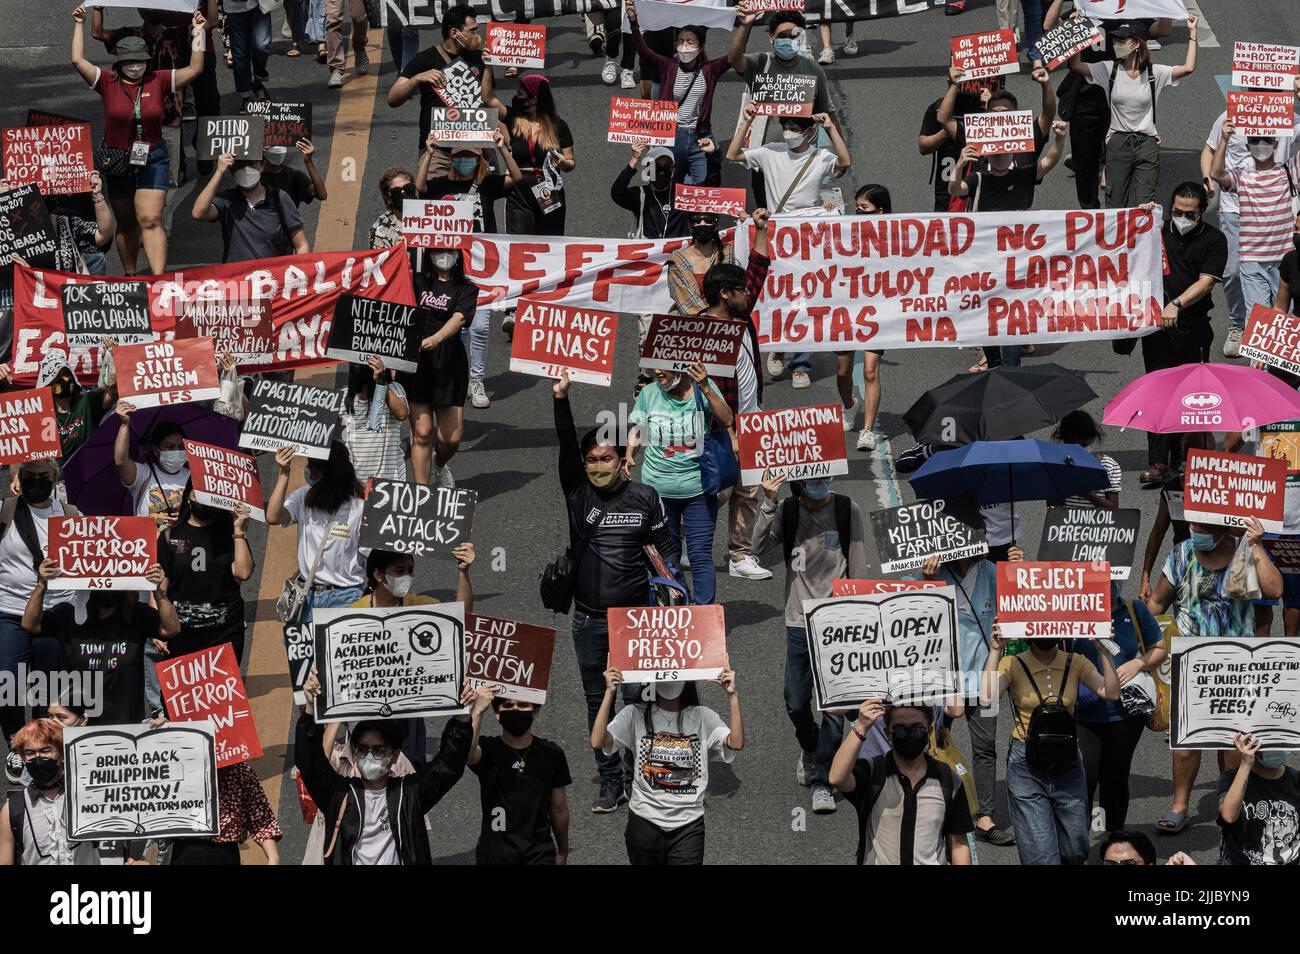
980	55
1054	600
167	372
658	643
799	443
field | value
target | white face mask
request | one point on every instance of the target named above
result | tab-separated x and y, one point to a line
1183	226
133	71
275	154
669	690
399	586
444	260
793	138
246	177
171	460
372	767
687	54
1262	151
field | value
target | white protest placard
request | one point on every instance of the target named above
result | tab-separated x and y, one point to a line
437	223
894	647
130	781
1224	686
1265	66
454	126
1000	133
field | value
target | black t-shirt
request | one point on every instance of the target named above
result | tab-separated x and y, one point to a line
945	157
1013	192
444	299
529	155
492	188
115	647
434	59
1291	275
295	182
1202	251
518	801
197	561
1267	831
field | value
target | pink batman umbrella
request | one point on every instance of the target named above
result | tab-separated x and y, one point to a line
1203	397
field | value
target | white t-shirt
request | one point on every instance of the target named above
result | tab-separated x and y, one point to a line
997	524
671	768
153	495
1238	158
780	166
17	577
343	563
1130	102
1113	473
376	845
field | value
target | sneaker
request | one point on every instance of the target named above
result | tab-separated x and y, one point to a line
13	768
442	477
685	562
362	60
805	768
1232	343
800	380
826	57
609	73
850	46
627	79
849	414
750	569
607	801
823	800
478	394
336	79
775	366
867	439
508	323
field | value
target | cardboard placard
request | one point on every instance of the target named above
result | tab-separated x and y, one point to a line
800	443
454	126
131	781
1285	553
460	87
437	223
642	120
300	651
102	553
239	136
60	158
93	311
521	45
42	117
549	339
238	327
1229	489
286	123
1091	534
415	518
365	326
206	687
1272	337
516	657
873	587
1000	133
1265	66
26	230
29	429
280	412
675	342
896	647
776	6
1073	35
783	94
1175	10
390	663
1224	686
1041	600
1255	113
159	373
225	478
981	55
689	198
908	536
666	643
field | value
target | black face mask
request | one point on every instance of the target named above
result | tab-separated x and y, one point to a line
63	384
704	234
515	721
45	772
36	489
909	741
202	511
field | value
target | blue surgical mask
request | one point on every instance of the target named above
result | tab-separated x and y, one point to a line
1273	758
466	166
311	477
784	47
817	489
1204	541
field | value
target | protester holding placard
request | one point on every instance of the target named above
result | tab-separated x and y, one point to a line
301	187
1259	803
156	484
374	407
1169	512
652	201
257	221
396	185
77	410
1078	428
471	176
1005	186
792	170
871	199
542	146
939	139
688	265
31	828
74	236
997	101
390	575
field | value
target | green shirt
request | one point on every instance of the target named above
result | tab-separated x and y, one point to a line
80	421
672	434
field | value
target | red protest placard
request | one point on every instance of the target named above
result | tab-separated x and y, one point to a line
642	120
1272	337
1265	66
224	478
238	327
514	656
437	223
102	553
1262	114
783	94
515	44
874	587
801	443
999	133
550	338
207	685
1229	489
675	342
1054	600
689	198
29	429
653	643
776	6
980	55
167	372
59	159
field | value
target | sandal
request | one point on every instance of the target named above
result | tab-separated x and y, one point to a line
321	55
1155	474
1171	822
293	50
981	365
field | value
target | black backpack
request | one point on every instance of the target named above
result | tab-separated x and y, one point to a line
790	524
17	814
1052	737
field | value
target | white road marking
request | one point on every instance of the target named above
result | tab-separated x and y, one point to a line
1206	39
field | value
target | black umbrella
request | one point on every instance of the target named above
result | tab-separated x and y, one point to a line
997	405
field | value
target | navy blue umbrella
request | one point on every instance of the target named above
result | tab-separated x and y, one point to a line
1007	471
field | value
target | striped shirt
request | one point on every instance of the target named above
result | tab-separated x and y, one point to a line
1267	221
689	89
375	453
1116	482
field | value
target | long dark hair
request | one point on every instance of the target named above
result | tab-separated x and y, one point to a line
429	273
379	561
361	380
222	521
690	697
338	481
548	120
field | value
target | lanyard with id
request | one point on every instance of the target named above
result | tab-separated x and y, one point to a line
139	148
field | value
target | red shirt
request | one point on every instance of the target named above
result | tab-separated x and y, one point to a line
119	105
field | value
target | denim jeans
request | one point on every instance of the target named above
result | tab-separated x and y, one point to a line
818	741
1049	810
591	645
1230	226
96	262
1033	11
1259	281
37	653
153	701
698	517
403	43
334	597
316	21
691	161
474	336
250	47
800	361
1005	356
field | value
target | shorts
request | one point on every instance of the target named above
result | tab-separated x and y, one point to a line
154	174
876	351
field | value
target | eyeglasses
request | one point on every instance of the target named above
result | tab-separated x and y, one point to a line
1191	216
378	751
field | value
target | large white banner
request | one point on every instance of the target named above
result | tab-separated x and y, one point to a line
1130	9
178	6
842	283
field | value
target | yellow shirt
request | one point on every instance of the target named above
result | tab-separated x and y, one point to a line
410	599
1048	680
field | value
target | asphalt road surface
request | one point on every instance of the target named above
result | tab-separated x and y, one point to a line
756	811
